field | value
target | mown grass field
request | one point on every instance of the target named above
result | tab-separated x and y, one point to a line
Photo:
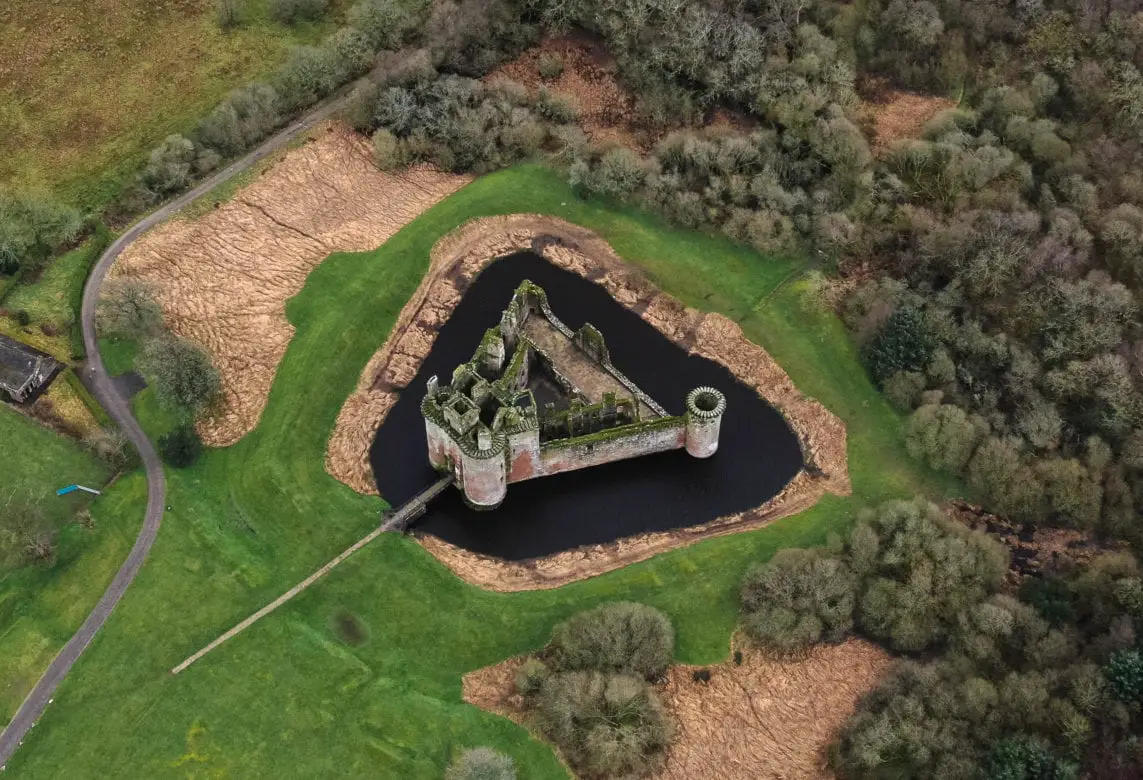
288	697
88	87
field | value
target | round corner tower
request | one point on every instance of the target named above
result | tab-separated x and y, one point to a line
484	471
705	407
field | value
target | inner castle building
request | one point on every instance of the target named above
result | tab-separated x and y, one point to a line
537	399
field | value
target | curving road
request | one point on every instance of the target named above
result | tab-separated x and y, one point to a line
97	380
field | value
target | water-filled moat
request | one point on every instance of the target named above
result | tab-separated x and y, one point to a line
757	452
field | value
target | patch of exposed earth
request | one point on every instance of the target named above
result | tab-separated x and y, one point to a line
768	717
895	114
223	279
589	81
1034	551
455	261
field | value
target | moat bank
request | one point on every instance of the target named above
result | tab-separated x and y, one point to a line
758	452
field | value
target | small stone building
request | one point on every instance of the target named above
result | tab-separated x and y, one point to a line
539	399
24	371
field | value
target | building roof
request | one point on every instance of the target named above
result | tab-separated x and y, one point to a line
19	364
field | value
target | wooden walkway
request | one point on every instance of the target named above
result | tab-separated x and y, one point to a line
399	521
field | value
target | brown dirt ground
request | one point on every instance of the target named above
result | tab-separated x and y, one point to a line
895	114
771	717
454	262
223	279
1034	551
589	81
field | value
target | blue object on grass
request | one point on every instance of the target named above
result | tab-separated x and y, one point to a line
73	488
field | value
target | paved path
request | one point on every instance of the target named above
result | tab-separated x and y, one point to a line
97	380
409	511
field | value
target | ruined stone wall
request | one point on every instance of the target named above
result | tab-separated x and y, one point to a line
441	447
605	447
524	455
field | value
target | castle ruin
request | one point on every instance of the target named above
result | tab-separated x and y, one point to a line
538	399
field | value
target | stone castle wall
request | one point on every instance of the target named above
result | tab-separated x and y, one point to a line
586	451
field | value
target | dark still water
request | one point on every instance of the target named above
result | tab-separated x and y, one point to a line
757	455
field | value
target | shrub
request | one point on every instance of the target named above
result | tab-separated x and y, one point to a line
550	66
1025	758
555	108
112	446
909	726
999	471
1124	674
181	447
387	151
481	763
904	343
181	372
530	676
386	23
127	308
798	598
617	173
620	637
919	570
944	436
350	52
1051	597
32	227
292	11
246	116
169	167
310	73
23	319
610	725
904	389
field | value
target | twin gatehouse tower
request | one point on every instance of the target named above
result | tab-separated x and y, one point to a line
539	399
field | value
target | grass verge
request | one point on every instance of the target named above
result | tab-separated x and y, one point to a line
288	697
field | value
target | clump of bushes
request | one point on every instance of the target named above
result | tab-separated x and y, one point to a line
798	598
550	66
481	763
460	124
1006	687
608	725
32	227
903	574
620	637
589	691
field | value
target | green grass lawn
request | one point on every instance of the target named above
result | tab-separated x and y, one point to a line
90	86
42	605
288	698
37	461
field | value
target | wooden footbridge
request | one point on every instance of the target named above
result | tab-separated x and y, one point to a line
399	521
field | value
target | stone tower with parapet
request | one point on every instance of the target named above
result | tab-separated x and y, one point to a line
538	398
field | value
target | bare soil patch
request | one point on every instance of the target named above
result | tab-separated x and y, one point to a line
1035	551
895	114
223	279
455	261
768	717
589	81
